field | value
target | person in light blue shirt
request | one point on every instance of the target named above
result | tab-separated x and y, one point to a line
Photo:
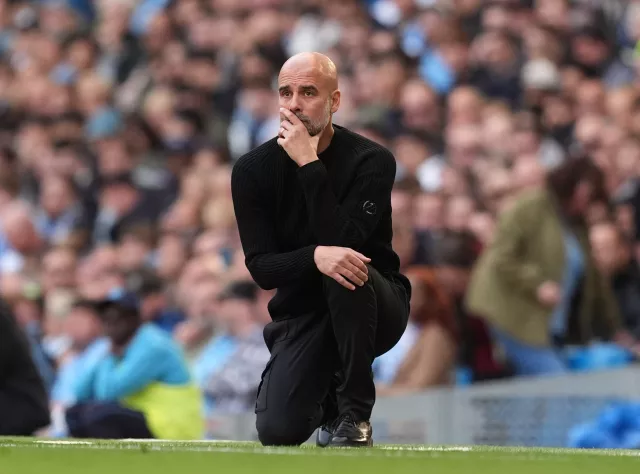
142	388
89	349
211	360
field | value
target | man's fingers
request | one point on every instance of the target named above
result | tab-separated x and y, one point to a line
340	279
358	272
351	276
361	257
283	132
286	125
290	116
358	263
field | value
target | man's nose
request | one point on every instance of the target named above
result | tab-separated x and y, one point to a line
294	104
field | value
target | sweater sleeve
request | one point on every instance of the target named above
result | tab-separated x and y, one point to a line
268	267
143	363
350	223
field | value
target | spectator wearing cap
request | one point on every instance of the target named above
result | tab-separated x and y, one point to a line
234	387
142	389
540	78
536	284
154	304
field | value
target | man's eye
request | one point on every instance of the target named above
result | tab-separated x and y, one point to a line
308	93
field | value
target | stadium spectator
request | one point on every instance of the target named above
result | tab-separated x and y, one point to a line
234	386
613	255
154	301
536	284
142	389
425	356
87	348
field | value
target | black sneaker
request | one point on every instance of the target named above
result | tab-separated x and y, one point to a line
325	433
351	433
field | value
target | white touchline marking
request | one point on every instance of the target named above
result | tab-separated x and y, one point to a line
246	447
459	449
65	442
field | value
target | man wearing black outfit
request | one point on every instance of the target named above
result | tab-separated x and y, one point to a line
24	407
313	207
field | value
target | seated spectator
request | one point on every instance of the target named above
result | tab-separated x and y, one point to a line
23	399
88	348
425	356
142	389
456	254
234	386
29	313
60	214
196	333
612	254
536	284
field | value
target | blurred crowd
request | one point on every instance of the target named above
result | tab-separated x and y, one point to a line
120	121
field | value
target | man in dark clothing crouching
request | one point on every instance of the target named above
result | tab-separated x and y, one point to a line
24	406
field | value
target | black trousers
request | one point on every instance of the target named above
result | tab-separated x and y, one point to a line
106	421
320	363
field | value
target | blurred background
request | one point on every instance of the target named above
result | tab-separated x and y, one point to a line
120	121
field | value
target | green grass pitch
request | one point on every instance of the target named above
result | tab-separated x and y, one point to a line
37	456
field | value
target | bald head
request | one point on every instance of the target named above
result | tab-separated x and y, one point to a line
18	227
314	64
308	87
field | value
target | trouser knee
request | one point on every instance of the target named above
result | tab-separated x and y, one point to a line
282	430
335	292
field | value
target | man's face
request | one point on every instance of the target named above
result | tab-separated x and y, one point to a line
607	249
420	109
118	327
59	270
83	326
56	196
306	94
429	212
589	51
132	253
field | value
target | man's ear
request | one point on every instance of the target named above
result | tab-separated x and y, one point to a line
335	101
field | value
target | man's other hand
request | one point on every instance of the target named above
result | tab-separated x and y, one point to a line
344	265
